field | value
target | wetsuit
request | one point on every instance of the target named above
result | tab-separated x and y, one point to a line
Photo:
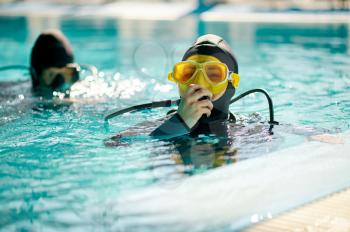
216	124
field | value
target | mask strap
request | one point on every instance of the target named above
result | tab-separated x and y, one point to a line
170	77
235	78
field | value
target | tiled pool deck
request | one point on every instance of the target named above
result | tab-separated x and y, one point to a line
329	214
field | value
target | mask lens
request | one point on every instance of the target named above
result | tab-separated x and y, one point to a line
65	77
184	71
216	72
71	74
58	81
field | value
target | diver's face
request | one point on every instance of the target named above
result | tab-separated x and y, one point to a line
202	59
54	77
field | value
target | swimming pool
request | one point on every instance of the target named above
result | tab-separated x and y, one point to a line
57	174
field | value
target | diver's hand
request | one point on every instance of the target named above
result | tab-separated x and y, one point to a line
195	103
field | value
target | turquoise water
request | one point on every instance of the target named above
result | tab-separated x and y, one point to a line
57	174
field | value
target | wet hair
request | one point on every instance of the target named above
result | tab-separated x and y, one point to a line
51	49
216	46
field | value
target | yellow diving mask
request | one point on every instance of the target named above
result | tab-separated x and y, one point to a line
206	71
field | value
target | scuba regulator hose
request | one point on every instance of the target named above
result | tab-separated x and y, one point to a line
169	103
272	121
157	104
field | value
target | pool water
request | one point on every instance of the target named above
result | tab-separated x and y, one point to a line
56	173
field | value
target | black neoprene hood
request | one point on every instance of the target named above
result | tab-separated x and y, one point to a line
216	46
51	49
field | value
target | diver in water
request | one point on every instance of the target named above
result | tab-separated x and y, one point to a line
52	66
207	78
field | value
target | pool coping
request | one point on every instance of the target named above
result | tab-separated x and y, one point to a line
172	11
